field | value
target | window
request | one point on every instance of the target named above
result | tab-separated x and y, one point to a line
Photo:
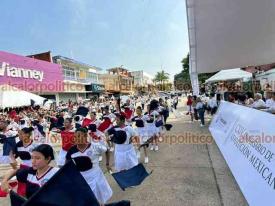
92	76
68	72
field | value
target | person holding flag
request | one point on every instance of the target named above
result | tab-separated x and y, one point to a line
86	157
122	136
36	176
140	123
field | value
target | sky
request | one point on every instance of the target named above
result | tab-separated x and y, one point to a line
147	35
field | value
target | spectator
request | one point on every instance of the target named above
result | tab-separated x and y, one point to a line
175	102
189	104
258	103
212	104
200	109
269	100
194	103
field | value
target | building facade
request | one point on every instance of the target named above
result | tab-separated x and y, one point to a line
81	81
142	81
117	81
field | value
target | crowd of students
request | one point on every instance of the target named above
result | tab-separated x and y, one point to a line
89	133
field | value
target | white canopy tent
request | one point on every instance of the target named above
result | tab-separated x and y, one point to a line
11	97
230	74
230	34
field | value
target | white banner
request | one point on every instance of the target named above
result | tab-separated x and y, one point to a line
246	138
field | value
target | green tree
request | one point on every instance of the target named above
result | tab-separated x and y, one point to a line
161	77
182	80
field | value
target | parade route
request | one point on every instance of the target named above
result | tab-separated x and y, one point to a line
183	173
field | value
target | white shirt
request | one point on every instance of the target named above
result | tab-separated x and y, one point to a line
199	105
212	103
44	178
130	132
269	102
13	125
258	104
93	151
272	106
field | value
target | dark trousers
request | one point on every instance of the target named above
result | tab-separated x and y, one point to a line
196	114
201	115
213	110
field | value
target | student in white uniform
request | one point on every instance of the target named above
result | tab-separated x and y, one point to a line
35	176
152	130
24	150
140	123
125	156
96	137
8	139
67	138
86	157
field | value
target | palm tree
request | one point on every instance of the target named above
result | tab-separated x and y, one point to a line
161	77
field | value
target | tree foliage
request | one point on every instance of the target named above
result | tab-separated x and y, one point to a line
182	80
161	77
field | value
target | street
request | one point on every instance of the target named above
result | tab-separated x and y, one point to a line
183	173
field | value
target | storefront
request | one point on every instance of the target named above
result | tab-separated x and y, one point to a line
94	90
73	91
29	74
